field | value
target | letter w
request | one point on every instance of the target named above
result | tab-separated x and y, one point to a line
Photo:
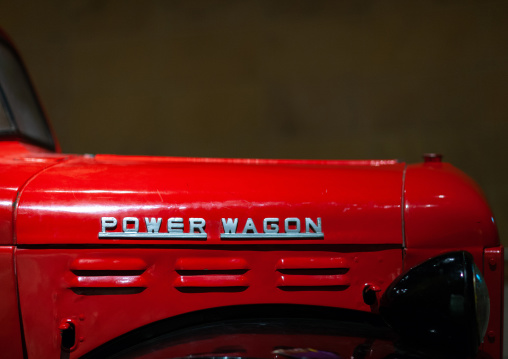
229	225
153	225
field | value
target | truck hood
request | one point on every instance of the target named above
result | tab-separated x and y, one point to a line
127	200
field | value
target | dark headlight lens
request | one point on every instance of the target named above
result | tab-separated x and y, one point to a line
441	305
482	301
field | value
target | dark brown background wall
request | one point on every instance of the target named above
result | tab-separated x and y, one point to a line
294	79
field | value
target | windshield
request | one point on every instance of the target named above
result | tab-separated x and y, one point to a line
20	113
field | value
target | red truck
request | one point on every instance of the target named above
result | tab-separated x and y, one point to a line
151	257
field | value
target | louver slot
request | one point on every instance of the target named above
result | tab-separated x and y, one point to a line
312	281
197	263
313	273
100	276
312	262
210	281
211	274
110	281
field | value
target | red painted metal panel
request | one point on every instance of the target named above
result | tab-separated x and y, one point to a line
247	161
444	208
110	281
114	263
101	314
212	281
357	204
312	280
10	330
310	262
18	163
207	263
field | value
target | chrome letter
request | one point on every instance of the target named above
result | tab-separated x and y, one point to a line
197	223
249	226
153	225
229	225
175	224
271	225
108	222
128	220
296	221
309	224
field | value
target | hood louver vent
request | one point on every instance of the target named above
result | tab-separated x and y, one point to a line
309	273
100	276
211	274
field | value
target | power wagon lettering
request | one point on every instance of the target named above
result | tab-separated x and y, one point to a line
175	228
272	229
195	228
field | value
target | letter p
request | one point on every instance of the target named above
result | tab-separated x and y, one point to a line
108	222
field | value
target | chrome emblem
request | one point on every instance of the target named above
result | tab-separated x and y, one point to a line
272	229
195	228
175	228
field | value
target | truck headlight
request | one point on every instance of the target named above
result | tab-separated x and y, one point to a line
482	301
441	305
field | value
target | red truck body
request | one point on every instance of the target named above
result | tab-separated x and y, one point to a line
110	244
